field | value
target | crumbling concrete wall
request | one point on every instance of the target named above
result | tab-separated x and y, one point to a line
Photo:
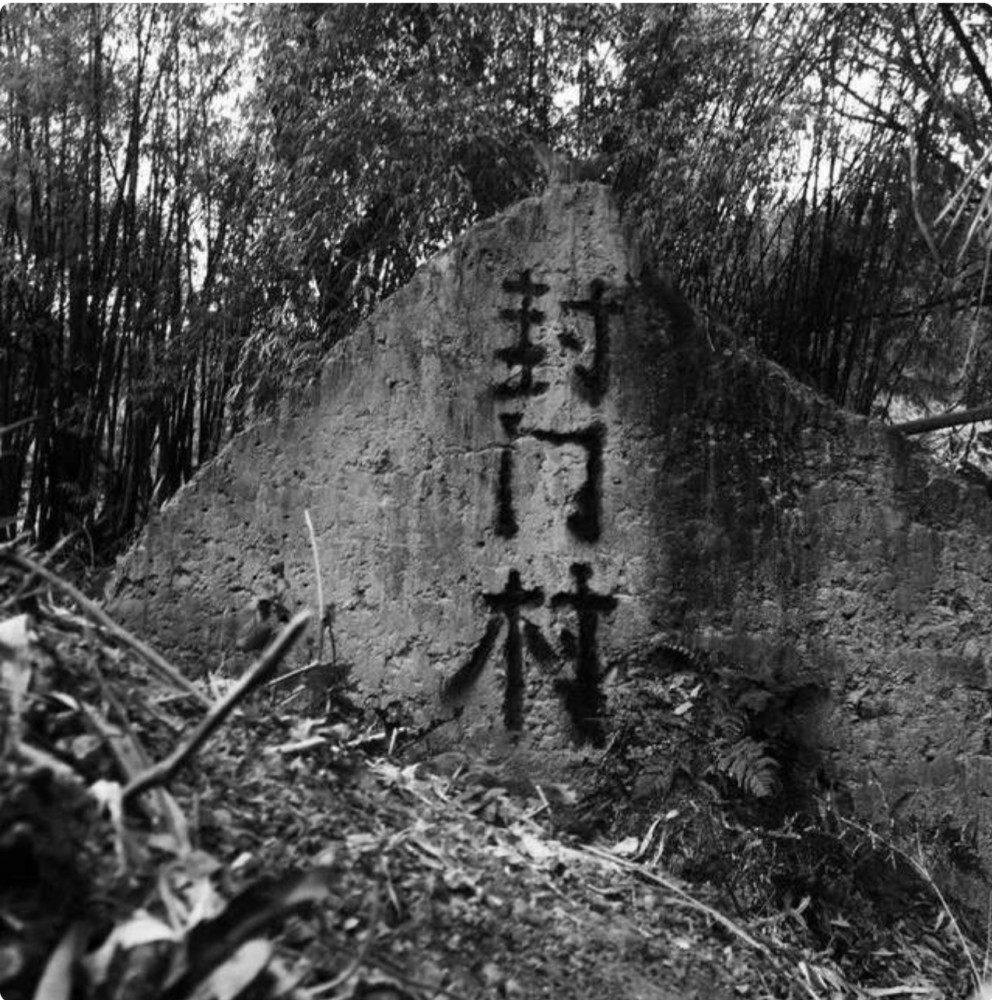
478	463
528	467
826	547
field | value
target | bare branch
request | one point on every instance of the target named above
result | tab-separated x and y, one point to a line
257	674
977	66
158	664
956	418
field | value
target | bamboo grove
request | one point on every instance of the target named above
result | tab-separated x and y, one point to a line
198	201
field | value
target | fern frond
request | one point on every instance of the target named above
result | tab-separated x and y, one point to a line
748	764
734	724
755	700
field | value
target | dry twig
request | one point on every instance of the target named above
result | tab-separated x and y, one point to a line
320	586
253	677
689	900
158	664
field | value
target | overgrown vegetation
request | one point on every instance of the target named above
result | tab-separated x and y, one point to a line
197	202
714	778
380	877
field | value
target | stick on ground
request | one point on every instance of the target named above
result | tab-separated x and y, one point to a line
158	664
256	674
320	586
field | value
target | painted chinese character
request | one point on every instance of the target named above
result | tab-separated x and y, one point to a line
506	518
523	356
583	694
584	520
506	607
594	379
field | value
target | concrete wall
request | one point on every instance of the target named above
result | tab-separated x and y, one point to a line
828	548
479	466
526	468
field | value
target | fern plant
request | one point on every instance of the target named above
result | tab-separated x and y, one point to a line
749	764
736	731
744	751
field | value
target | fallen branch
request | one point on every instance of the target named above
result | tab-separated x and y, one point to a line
301	746
682	895
156	662
133	759
956	418
256	675
293	674
924	873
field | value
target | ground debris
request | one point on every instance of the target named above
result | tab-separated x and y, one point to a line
284	861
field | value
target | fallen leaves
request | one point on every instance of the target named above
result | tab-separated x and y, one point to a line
282	861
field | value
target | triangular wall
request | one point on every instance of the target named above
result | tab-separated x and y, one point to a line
527	470
481	465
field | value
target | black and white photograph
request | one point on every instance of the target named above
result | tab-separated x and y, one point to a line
496	501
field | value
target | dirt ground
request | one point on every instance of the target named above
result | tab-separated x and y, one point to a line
304	856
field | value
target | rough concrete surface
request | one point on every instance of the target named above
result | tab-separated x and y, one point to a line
479	469
526	469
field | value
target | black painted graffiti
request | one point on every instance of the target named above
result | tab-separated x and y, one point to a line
585	702
584	520
582	694
570	341
506	518
524	355
507	605
594	379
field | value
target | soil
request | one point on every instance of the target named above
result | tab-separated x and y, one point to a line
301	855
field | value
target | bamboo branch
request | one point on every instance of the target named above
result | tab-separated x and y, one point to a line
914	189
17	425
956	418
976	64
256	675
320	585
293	674
158	664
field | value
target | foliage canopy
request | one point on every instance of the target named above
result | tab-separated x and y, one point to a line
197	202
